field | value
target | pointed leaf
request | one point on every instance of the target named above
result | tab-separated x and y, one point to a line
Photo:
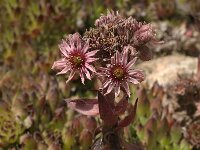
121	106
84	106
106	111
128	119
110	99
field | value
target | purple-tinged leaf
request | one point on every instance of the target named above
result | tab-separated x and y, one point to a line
130	118
87	107
121	106
110	99
106	111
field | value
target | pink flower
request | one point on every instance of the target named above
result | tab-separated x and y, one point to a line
75	58
119	73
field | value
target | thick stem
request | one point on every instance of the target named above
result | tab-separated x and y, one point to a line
111	138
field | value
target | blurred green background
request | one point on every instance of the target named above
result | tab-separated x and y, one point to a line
33	113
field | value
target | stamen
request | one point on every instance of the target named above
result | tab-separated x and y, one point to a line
76	60
118	73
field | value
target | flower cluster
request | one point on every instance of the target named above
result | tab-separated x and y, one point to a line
114	45
113	33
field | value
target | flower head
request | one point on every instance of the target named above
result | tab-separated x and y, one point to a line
111	19
75	58
119	73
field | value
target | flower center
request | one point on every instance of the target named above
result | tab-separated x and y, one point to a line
77	61
118	72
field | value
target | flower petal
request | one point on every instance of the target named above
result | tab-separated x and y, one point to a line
110	88
90	67
86	73
85	47
117	89
91	59
71	75
133	80
126	87
59	64
107	83
82	77
117	57
92	53
125	56
131	63
63	48
65	70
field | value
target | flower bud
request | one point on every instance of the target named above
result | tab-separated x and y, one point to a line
144	35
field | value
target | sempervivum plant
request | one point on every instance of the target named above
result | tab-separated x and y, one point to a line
108	52
192	133
10	128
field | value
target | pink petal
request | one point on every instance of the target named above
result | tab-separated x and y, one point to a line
110	88
92	53
106	83
65	70
117	56
65	45
59	64
63	50
133	80
91	60
125	56
117	87
84	106
131	63
139	76
82	77
90	67
85	47
112	60
126	87
87	73
78	41
134	71
71	41
71	76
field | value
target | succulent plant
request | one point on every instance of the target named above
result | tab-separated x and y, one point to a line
33	113
192	133
10	126
156	128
